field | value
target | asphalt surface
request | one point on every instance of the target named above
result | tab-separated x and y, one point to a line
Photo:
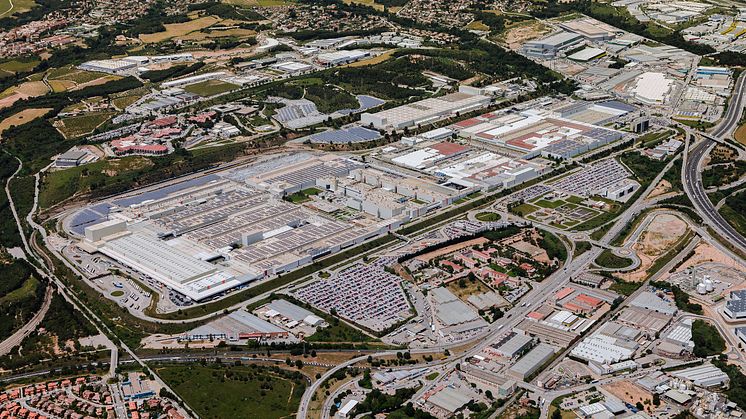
692	172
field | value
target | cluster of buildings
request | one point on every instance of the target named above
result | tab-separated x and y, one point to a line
542	132
236	327
156	137
206	236
425	112
722	32
670	13
86	397
133	64
704	98
665	149
153	138
34	37
298	320
453	316
611	63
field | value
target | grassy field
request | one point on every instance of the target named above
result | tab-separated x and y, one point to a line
740	134
179	29
370	3
76	126
302	196
477	25
76	76
10	8
524	209
23	117
549	204
375	60
464	288
60	185
236	392
27	289
210	88
488	216
212	34
736	219
29	88
124	101
18	65
59	86
609	260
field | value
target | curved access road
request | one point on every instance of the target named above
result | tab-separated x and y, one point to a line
691	174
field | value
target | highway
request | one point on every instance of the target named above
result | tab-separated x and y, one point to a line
691	175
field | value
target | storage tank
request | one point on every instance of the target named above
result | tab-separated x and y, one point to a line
701	289
709	286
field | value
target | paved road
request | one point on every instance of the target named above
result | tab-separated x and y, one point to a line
16	338
691	175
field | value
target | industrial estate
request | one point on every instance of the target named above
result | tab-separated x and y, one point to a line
373	209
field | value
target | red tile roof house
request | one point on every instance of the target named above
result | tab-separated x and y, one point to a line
163	122
128	145
481	256
469	262
528	268
455	267
203	117
496	277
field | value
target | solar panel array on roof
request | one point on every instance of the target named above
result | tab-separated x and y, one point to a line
89	216
366	102
343	136
300	109
165	191
604	135
615	104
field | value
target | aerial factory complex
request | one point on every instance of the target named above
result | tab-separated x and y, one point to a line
373	209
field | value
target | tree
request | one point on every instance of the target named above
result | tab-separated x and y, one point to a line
557	414
298	364
656	399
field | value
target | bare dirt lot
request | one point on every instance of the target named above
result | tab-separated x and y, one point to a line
660	235
628	392
661	188
23	117
707	253
518	35
663	231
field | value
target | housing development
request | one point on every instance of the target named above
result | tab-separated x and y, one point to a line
373	209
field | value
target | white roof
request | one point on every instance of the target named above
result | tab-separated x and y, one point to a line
587	54
347	408
652	87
